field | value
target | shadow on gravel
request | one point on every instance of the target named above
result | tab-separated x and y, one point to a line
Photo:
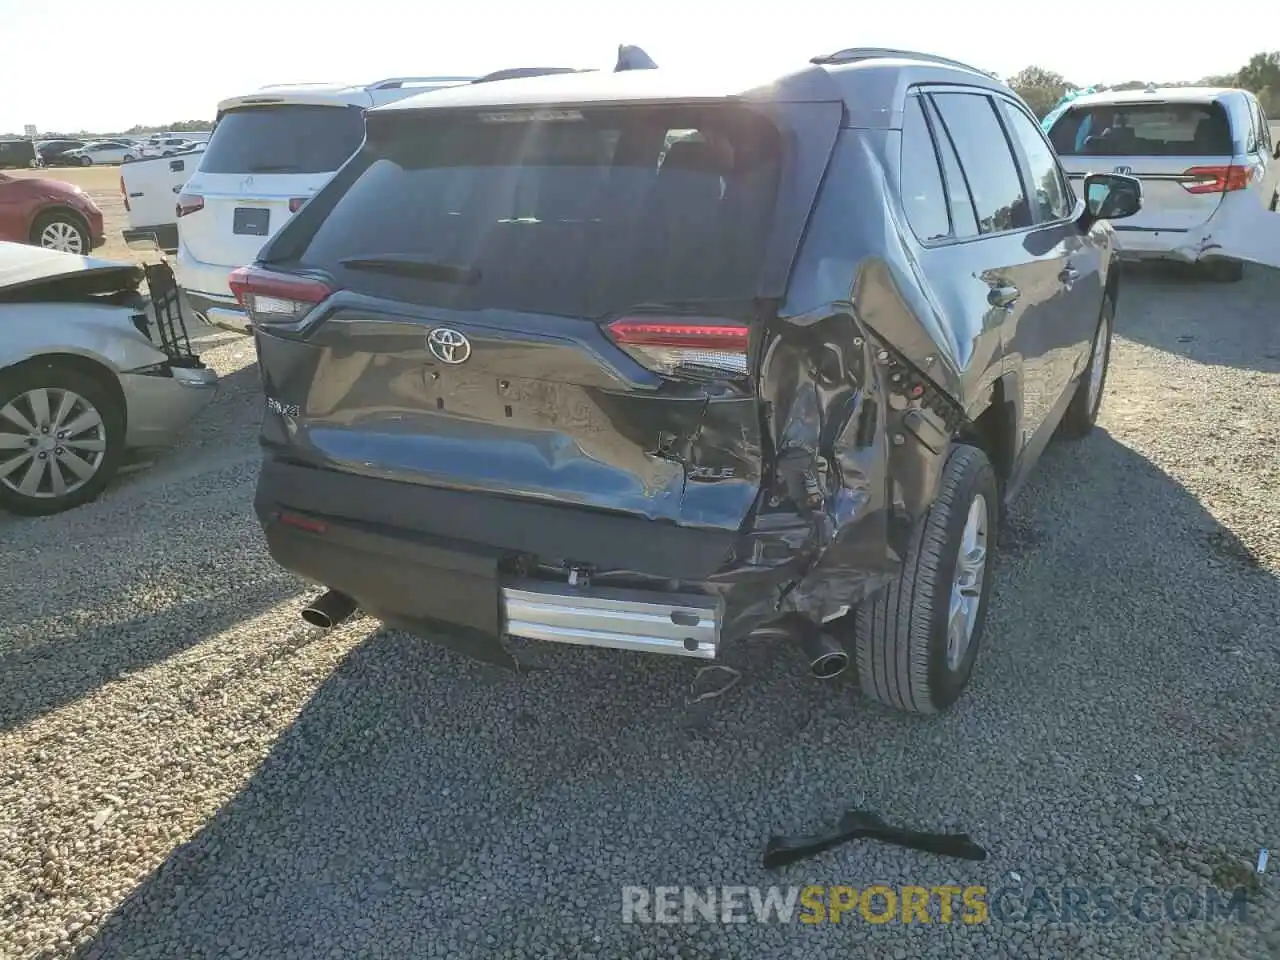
424	804
1166	306
39	677
82	554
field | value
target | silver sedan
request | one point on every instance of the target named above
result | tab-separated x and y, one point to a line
89	368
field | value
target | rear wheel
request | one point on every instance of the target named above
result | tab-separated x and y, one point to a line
60	230
915	643
61	438
1082	414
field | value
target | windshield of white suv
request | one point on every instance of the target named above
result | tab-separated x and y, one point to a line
289	138
588	212
1143	130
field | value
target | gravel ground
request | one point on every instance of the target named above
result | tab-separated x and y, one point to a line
186	770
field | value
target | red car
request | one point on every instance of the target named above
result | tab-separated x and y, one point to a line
49	213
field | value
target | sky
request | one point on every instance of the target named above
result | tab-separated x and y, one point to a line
105	65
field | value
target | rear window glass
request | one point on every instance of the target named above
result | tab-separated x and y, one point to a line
588	213
284	139
1144	130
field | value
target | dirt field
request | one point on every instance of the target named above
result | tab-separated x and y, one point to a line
103	184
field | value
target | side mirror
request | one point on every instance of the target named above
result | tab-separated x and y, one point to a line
1111	196
1276	155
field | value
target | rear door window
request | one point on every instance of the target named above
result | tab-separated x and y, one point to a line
1144	130
1047	186
964	221
923	194
592	212
292	138
987	161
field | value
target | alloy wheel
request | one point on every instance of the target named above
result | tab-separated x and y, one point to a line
1098	363
52	442
966	587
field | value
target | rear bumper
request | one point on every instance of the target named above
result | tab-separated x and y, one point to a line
159	407
455	577
205	286
162	236
1138	244
220	311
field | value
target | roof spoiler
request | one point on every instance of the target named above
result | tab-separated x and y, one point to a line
630	57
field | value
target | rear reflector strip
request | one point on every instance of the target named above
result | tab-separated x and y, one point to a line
299	522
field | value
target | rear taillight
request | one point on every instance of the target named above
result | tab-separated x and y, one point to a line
276	298
696	346
1217	179
189	203
297	203
124	193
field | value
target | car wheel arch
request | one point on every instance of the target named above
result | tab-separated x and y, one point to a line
62	209
95	369
993	427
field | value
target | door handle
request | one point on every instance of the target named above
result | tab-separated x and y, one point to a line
1069	276
1005	296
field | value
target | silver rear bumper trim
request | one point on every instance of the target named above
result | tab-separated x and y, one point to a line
685	625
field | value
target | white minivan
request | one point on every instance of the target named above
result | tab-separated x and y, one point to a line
270	151
1208	166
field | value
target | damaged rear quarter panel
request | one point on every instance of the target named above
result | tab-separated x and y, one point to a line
863	384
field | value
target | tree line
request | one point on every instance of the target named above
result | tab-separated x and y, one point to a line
182	126
1042	89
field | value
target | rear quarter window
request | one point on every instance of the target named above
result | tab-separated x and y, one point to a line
291	138
1144	130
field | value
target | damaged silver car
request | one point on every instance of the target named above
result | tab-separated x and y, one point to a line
662	362
90	369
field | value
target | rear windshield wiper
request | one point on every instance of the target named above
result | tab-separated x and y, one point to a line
406	265
274	168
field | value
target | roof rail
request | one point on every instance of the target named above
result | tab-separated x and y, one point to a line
516	73
630	57
395	83
854	54
310	83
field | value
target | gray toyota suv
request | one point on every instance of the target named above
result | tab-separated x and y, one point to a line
660	362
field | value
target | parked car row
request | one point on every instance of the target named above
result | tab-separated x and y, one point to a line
70	152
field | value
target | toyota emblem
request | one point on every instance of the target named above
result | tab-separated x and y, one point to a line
448	345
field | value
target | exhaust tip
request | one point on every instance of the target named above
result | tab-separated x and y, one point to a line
829	665
329	610
317	618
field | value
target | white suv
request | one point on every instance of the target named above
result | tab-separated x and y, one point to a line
1206	159
269	152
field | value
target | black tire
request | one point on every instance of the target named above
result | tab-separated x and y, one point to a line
1082	413
1223	271
900	636
86	160
59	377
45	220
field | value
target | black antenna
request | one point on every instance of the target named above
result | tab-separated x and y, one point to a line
631	57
